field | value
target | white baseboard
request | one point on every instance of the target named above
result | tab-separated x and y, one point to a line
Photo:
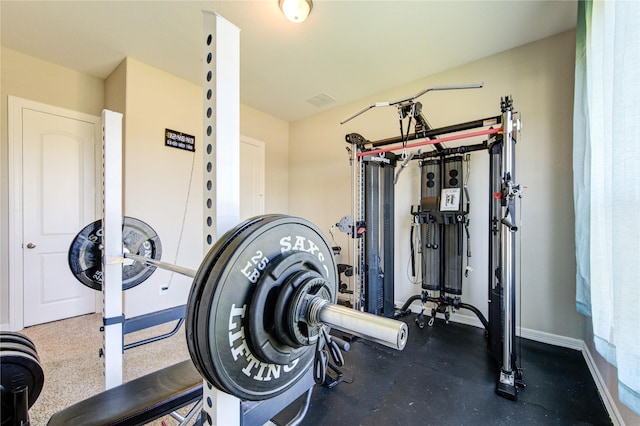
607	399
5	327
551	339
555	340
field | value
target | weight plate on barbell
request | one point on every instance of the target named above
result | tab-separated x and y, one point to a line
270	322
85	253
221	303
195	294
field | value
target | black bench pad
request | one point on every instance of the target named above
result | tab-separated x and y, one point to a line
138	401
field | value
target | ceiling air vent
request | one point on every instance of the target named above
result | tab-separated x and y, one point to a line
321	100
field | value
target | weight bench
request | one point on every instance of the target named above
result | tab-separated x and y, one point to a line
139	401
160	393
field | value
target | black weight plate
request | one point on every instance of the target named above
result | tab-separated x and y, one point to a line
18	347
85	253
11	336
195	293
200	320
227	279
281	309
209	363
267	320
18	369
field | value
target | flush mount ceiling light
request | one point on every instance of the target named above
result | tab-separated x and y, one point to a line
296	10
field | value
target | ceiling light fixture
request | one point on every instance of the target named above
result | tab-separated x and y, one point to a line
296	10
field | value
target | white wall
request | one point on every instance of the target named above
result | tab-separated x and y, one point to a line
539	76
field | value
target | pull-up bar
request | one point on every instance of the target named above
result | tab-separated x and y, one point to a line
490	131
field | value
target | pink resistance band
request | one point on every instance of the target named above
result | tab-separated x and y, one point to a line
434	141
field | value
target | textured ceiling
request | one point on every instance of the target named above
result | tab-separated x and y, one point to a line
344	51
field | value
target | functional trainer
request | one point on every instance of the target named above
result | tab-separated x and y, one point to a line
441	216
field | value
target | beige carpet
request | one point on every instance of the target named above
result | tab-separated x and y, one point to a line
68	352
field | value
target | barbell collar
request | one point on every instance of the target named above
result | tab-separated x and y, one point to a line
385	331
162	265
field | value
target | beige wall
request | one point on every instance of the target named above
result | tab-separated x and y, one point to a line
275	134
31	78
155	176
539	76
308	172
158	184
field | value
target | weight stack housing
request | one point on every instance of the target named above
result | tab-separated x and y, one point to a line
429	228
442	216
379	236
495	286
454	216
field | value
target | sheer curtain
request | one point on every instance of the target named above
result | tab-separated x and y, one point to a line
606	161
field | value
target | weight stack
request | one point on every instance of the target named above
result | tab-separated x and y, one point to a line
379	235
496	300
452	208
429	228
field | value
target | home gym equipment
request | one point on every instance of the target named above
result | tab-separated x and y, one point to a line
86	251
139	401
262	296
21	377
138	239
442	218
255	325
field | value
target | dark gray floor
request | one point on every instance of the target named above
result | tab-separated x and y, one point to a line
445	376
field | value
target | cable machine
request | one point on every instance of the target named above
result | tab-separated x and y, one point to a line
441	217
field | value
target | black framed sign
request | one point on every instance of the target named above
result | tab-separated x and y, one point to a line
179	140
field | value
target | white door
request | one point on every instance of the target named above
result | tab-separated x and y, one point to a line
251	177
58	199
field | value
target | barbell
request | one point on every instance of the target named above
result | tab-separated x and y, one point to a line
85	253
259	303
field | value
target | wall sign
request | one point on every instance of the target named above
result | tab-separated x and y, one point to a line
179	140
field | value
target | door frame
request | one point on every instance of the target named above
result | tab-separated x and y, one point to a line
16	265
261	148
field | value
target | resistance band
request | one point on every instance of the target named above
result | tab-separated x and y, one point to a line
433	141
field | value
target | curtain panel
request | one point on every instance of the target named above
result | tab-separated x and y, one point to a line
606	167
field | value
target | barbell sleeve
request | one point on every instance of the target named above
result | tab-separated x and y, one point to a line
162	265
386	331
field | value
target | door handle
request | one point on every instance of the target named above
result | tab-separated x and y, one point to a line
31	245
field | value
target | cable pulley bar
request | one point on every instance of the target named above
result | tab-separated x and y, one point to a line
259	304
